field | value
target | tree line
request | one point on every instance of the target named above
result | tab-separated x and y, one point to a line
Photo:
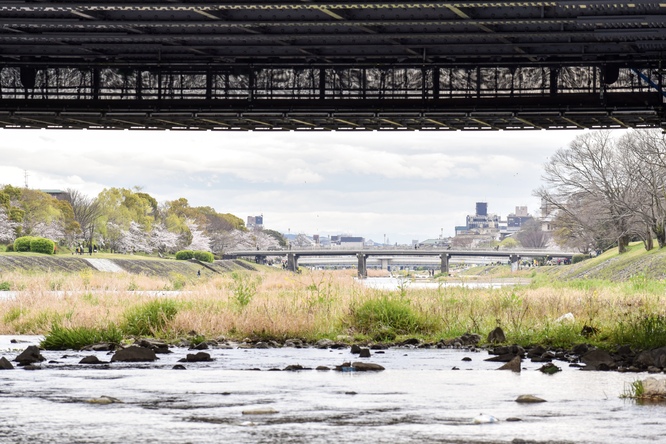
604	191
124	220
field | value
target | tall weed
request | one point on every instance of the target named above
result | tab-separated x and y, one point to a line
151	318
244	288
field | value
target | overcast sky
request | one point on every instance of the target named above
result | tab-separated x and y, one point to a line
405	185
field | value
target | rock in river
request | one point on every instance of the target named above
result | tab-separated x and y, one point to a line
266	411
92	360
104	400
358	367
550	369
5	364
597	360
366	367
513	365
197	357
29	356
496	336
529	399
134	354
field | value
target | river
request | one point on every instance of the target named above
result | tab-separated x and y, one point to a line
418	398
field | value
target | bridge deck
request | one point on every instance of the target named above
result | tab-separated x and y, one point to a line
326	65
405	252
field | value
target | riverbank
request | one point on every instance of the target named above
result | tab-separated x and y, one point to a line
319	304
34	263
272	304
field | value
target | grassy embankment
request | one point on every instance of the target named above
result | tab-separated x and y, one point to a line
275	304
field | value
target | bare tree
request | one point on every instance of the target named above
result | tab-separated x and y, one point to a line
532	236
585	231
590	169
86	212
644	160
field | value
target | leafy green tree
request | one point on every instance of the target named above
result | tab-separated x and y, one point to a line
277	236
119	208
509	243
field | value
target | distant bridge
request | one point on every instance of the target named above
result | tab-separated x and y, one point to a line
385	256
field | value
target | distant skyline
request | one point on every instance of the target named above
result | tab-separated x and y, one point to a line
405	185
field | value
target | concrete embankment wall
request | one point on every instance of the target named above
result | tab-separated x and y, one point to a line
72	264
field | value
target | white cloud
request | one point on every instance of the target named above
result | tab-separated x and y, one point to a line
302	175
406	185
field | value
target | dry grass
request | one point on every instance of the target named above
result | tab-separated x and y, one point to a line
317	304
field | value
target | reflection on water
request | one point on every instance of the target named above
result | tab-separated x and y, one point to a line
419	398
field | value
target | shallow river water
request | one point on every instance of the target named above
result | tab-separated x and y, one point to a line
419	398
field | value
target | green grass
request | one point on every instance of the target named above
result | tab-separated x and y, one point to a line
150	319
61	338
634	390
643	331
387	317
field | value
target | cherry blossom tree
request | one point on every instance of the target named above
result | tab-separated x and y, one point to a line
51	230
163	240
200	241
127	241
7	227
243	240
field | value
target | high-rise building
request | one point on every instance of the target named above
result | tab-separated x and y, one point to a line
482	208
518	219
255	222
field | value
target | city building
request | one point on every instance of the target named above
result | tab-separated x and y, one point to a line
342	241
480	223
483	228
255	222
515	221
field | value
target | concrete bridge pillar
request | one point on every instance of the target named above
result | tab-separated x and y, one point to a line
362	265
292	262
385	263
445	262
514	258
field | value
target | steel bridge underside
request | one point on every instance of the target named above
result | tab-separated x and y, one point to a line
323	65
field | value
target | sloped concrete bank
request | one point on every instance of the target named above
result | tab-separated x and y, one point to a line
73	264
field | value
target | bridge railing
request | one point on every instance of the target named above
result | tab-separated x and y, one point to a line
310	84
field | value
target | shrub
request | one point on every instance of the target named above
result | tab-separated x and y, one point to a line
22	243
5	286
578	258
150	319
204	256
61	338
184	255
41	245
9	248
